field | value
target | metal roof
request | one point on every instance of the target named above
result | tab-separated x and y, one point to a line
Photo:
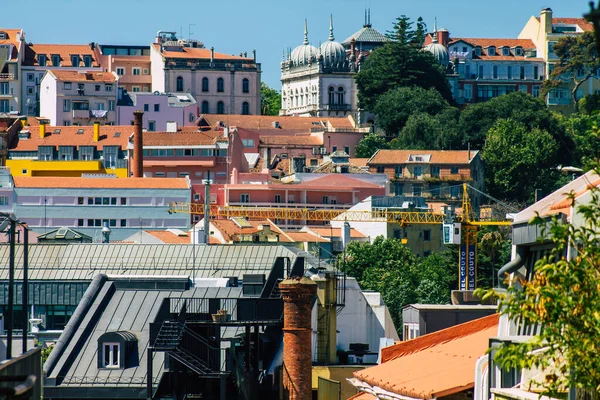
367	34
81	262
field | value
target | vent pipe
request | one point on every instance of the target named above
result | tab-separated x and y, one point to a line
137	167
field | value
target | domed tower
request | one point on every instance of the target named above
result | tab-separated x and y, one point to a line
439	51
305	53
334	54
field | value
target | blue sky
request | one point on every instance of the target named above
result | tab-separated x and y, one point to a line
269	26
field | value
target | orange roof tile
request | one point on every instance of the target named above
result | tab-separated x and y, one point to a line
363	396
188	138
564	206
229	229
90	76
70	136
485	42
358	162
580	22
65	51
170	237
434	365
285	123
328	232
12	39
305	140
305	237
191	52
437	156
100	183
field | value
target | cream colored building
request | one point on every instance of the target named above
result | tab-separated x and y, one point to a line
12	54
545	31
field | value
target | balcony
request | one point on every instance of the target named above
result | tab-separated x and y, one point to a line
81	113
292	205
7	77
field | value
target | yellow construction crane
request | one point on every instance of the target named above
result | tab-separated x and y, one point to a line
460	230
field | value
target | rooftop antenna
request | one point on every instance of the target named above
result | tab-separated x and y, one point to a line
369	14
190	31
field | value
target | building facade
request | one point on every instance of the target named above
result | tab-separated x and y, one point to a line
12	53
160	109
221	83
79	98
130	63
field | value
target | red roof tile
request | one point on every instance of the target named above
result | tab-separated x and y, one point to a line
191	52
229	229
580	22
434	365
305	237
188	138
63	50
69	136
277	124
304	140
170	237
90	76
100	183
437	156
328	232
12	39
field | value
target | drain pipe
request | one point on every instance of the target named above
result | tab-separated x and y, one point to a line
480	390
513	265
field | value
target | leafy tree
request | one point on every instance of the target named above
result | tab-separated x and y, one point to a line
519	160
437	278
369	144
270	100
590	104
393	108
584	131
493	251
424	131
400	63
477	119
403	32
578	62
563	299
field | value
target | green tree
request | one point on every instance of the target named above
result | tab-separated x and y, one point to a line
425	131
577	62
270	100
583	130
400	63
403	32
519	160
369	144
437	277
563	299
590	104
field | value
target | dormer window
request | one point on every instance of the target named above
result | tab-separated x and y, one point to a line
3	35
42	60
506	51
518	51
87	61
477	51
55	60
491	51
118	350
110	355
75	60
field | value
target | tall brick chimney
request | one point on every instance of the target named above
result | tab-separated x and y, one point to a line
137	167
297	294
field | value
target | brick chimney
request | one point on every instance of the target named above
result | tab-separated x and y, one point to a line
297	294
546	20
137	167
443	37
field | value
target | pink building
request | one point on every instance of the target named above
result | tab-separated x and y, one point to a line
130	63
160	109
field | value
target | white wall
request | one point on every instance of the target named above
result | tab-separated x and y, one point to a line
157	70
48	98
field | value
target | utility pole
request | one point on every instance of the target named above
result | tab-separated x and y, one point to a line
25	291
207	209
11	289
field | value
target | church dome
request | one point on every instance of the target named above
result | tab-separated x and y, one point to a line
333	52
440	52
305	53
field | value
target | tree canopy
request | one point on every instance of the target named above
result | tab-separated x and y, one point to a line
369	144
270	100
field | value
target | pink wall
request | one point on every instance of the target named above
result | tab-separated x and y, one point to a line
181	115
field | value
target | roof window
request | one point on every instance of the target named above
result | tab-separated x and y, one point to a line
117	134
491	51
57	131
118	350
80	131
506	51
477	50
518	51
3	35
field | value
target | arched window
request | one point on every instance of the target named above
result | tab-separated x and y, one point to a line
179	84
245	108
331	95
246	86
205	107
192	117
205	84
220	107
340	95
220	85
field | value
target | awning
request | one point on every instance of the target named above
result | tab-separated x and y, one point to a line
179	163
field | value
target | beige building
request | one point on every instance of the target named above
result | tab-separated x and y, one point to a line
130	63
12	53
545	31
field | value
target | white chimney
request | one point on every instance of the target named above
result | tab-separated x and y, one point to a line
171	126
345	235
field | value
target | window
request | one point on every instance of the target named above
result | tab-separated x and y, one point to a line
244	198
108	87
99	106
245	108
434	189
179	84
120	71
495	72
220	85
518	51
480	72
205	84
521	72
551	50
380	169
80	222
151	126
220	107
123	223
523	88
427	235
66	105
136	71
123	201
87	61
111	355
398	171
454	191
156	107
4	88
325	200
248	142
417	190
454	170
55	60
146	71
97	88
30	77
75	61
146	107
205	107
398	189
136	89
509	72
468	71
417	171
435	172
491	51
111	105
331	96
42	60
4	106
277	198
246	85
477	51
192	117
506	51
535	91
67	86
340	95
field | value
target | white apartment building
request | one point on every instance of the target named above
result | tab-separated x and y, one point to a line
78	98
12	53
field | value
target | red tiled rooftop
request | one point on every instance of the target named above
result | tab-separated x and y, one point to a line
286	124
229	229
580	22
63	50
305	237
434	365
170	237
69	136
335	232
90	76
100	183
304	140
184	138
12	39
198	53
437	156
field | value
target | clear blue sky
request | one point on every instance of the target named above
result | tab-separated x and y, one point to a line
269	26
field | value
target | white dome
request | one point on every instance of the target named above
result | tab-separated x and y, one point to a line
333	53
440	52
304	53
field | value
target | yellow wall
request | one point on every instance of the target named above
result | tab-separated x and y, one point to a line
60	168
337	373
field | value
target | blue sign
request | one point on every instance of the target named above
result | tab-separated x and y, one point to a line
462	268
472	264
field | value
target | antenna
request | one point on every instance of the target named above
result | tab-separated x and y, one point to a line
190	31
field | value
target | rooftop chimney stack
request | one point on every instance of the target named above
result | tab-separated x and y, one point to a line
137	167
212	54
42	130
297	294
96	131
546	20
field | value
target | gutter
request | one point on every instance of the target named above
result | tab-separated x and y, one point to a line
377	391
513	265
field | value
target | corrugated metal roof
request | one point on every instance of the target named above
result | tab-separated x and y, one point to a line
81	262
367	34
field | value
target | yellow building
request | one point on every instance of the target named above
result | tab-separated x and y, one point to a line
545	31
70	151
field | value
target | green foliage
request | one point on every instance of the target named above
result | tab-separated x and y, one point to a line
46	350
270	100
400	63
369	144
590	104
493	251
563	297
425	131
577	62
583	130
390	267
519	160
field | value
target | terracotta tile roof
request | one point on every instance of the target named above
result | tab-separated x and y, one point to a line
363	396
437	156
305	140
69	136
170	237
188	138
12	39
126	59
64	50
100	183
90	76
305	237
191	52
328	232
434	365
484	43
580	22
284	123
229	229
564	206
510	58
358	162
